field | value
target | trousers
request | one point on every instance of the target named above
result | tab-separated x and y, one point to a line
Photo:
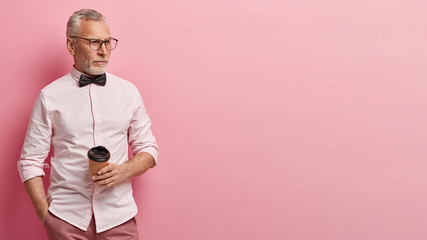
58	229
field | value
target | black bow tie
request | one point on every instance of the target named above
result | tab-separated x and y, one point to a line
98	80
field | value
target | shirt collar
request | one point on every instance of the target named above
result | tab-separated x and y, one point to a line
75	74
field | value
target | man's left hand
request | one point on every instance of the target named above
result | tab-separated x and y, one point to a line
111	175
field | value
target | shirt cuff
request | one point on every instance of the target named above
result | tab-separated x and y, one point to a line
31	170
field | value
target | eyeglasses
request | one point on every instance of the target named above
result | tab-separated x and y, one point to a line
96	44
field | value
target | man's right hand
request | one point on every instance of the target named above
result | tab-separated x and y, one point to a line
44	215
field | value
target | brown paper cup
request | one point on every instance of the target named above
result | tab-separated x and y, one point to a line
98	158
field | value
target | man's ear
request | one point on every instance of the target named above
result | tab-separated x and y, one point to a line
70	46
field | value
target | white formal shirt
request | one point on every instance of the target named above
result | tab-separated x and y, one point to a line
72	120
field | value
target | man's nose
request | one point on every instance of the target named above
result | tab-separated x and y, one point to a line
102	50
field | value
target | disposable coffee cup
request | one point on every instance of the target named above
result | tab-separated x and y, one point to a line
98	158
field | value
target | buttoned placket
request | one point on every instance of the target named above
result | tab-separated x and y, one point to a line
93	94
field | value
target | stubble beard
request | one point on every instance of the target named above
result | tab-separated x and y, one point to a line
91	70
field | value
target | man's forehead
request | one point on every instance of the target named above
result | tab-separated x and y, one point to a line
94	29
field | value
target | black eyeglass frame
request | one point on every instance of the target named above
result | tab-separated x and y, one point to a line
102	42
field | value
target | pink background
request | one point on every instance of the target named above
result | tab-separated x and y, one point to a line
275	119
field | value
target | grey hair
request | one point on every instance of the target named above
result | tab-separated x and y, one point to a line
73	23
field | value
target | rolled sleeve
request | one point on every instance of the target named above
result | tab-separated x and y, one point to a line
141	138
37	142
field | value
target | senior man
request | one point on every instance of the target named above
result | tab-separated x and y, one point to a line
85	108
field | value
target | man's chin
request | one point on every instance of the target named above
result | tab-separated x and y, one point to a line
96	71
